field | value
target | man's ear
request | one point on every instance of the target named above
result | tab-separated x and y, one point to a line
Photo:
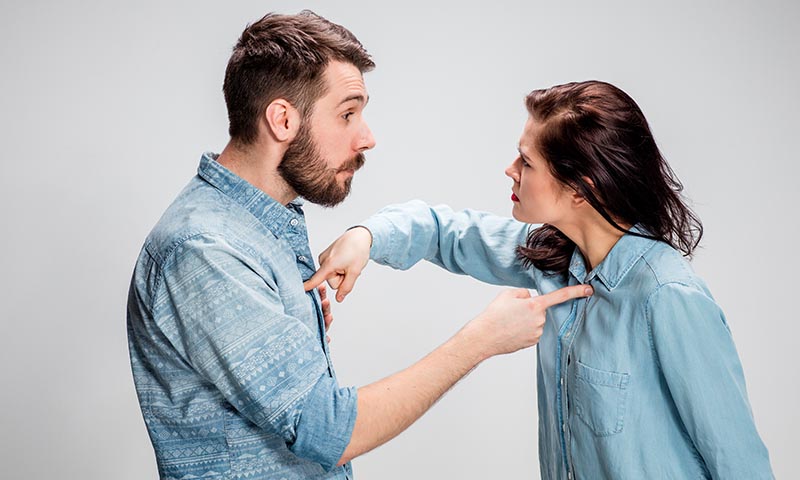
282	120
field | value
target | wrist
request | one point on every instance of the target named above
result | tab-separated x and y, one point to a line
366	233
471	343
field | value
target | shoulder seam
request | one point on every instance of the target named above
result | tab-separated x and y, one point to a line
659	279
171	252
649	319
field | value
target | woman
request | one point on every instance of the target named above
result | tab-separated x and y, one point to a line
641	380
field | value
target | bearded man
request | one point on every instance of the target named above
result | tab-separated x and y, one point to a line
228	350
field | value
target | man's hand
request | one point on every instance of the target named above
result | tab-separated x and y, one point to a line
512	321
515	320
342	262
326	309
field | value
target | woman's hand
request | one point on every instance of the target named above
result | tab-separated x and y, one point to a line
342	262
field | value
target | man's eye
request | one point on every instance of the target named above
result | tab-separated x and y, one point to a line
346	116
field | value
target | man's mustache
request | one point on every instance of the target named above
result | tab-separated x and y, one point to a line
353	164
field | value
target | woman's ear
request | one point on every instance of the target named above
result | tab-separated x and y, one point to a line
282	120
577	197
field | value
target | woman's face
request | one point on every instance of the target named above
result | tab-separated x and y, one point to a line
538	197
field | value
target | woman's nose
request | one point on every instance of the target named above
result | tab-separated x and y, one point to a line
511	171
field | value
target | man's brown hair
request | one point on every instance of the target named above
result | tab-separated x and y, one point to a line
284	56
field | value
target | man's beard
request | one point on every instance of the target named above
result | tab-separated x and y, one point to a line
304	169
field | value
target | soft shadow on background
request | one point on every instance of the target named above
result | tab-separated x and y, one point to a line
105	108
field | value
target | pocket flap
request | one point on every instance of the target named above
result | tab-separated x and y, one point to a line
601	377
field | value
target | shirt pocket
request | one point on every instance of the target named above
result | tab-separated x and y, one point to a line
600	398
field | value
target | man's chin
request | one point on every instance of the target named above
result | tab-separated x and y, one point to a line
330	201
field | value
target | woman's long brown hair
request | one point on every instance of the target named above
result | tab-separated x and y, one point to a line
593	130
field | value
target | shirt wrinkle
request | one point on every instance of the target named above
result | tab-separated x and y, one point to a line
619	396
212	286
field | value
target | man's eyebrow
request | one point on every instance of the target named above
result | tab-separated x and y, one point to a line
358	97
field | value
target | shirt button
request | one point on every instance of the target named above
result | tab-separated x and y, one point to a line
302	258
293	222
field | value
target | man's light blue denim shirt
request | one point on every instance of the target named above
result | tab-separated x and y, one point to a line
228	351
639	381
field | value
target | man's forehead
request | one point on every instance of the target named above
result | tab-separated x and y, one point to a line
345	83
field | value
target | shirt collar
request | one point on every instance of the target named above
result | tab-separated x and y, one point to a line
275	216
619	261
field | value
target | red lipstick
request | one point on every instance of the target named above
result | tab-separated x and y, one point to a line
514	197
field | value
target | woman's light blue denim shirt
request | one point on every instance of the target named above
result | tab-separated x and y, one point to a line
639	381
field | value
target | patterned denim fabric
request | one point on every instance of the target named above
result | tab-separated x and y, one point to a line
640	381
228	351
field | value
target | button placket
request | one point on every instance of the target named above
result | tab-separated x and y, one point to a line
565	396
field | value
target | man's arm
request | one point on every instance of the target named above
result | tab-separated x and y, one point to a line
512	321
229	325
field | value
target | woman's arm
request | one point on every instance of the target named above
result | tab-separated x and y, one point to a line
698	359
468	242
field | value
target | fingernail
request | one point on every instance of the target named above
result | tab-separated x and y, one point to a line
588	290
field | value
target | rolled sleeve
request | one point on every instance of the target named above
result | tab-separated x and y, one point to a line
326	423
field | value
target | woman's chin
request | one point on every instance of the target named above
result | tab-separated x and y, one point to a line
521	217
516	213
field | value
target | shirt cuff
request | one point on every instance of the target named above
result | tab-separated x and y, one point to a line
326	423
381	229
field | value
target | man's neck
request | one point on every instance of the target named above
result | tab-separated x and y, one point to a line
258	165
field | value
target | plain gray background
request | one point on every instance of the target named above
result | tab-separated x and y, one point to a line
105	108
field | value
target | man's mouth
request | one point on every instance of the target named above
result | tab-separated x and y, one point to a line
353	165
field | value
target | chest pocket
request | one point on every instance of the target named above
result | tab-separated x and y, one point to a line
600	398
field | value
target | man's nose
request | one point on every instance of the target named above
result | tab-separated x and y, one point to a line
365	141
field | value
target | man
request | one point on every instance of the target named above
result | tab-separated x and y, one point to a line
228	350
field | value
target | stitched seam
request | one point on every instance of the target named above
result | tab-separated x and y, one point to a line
638	257
649	318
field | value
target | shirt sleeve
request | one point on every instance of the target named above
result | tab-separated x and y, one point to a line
467	242
229	324
699	362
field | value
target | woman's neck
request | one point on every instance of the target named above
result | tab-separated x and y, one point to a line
594	237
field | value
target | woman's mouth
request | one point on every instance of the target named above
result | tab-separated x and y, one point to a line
514	197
